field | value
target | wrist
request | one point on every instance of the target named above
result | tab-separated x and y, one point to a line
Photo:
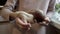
13	15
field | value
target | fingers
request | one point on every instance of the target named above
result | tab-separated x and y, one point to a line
21	24
47	19
23	27
20	21
43	23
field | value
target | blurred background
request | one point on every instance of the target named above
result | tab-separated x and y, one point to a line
2	2
58	6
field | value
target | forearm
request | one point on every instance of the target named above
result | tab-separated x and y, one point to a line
7	9
6	13
13	15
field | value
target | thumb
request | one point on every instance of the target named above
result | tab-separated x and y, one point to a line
29	25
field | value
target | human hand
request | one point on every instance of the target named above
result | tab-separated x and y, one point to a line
25	16
45	21
23	24
41	18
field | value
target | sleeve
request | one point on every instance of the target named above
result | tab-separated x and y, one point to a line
10	4
51	8
7	9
